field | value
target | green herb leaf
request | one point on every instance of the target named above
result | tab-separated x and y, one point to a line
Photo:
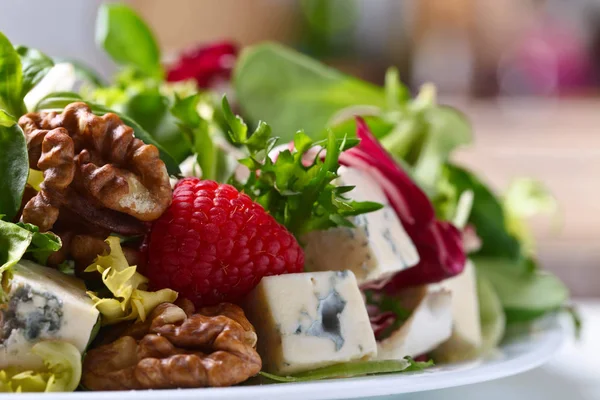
301	197
524	294
14	242
14	166
293	91
11	79
151	110
58	101
487	214
35	65
198	133
356	368
42	244
127	39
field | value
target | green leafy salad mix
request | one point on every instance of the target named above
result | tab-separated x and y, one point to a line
351	175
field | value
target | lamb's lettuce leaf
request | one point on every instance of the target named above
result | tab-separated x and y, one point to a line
354	368
524	291
14	166
11	79
128	39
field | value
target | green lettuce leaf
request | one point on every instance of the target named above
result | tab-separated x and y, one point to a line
525	292
355	368
127	39
491	314
35	65
14	166
14	242
42	244
293	91
11	79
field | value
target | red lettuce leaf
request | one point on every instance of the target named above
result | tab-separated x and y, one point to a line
439	243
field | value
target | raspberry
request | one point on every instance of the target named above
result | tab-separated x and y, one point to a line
214	244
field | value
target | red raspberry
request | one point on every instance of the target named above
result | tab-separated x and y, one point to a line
214	244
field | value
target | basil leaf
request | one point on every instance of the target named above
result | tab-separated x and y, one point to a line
35	66
355	368
14	242
58	101
42	244
14	166
524	294
293	91
127	39
11	79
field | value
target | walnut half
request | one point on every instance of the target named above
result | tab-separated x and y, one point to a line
96	168
177	349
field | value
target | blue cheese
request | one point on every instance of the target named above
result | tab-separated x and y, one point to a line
429	325
309	320
42	304
376	247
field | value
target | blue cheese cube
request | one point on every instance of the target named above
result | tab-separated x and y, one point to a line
310	320
42	304
376	247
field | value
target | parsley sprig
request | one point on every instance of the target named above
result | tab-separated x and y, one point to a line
301	195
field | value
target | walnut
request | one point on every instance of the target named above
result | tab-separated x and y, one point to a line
96	168
177	348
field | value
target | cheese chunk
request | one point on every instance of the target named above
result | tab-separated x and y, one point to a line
309	320
429	325
466	337
376	247
43	304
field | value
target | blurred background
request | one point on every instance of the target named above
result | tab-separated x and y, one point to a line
526	72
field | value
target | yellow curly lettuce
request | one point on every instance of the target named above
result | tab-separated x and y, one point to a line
62	370
35	178
130	300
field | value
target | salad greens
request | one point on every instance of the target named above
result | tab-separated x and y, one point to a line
127	39
14	166
356	368
127	300
35	66
18	240
421	135
300	195
313	107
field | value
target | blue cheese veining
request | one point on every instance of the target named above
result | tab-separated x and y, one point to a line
42	304
310	320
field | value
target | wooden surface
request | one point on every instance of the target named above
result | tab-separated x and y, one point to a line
557	142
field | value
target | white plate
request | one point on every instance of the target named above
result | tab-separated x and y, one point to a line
519	354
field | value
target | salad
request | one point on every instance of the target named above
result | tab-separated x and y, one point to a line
150	238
